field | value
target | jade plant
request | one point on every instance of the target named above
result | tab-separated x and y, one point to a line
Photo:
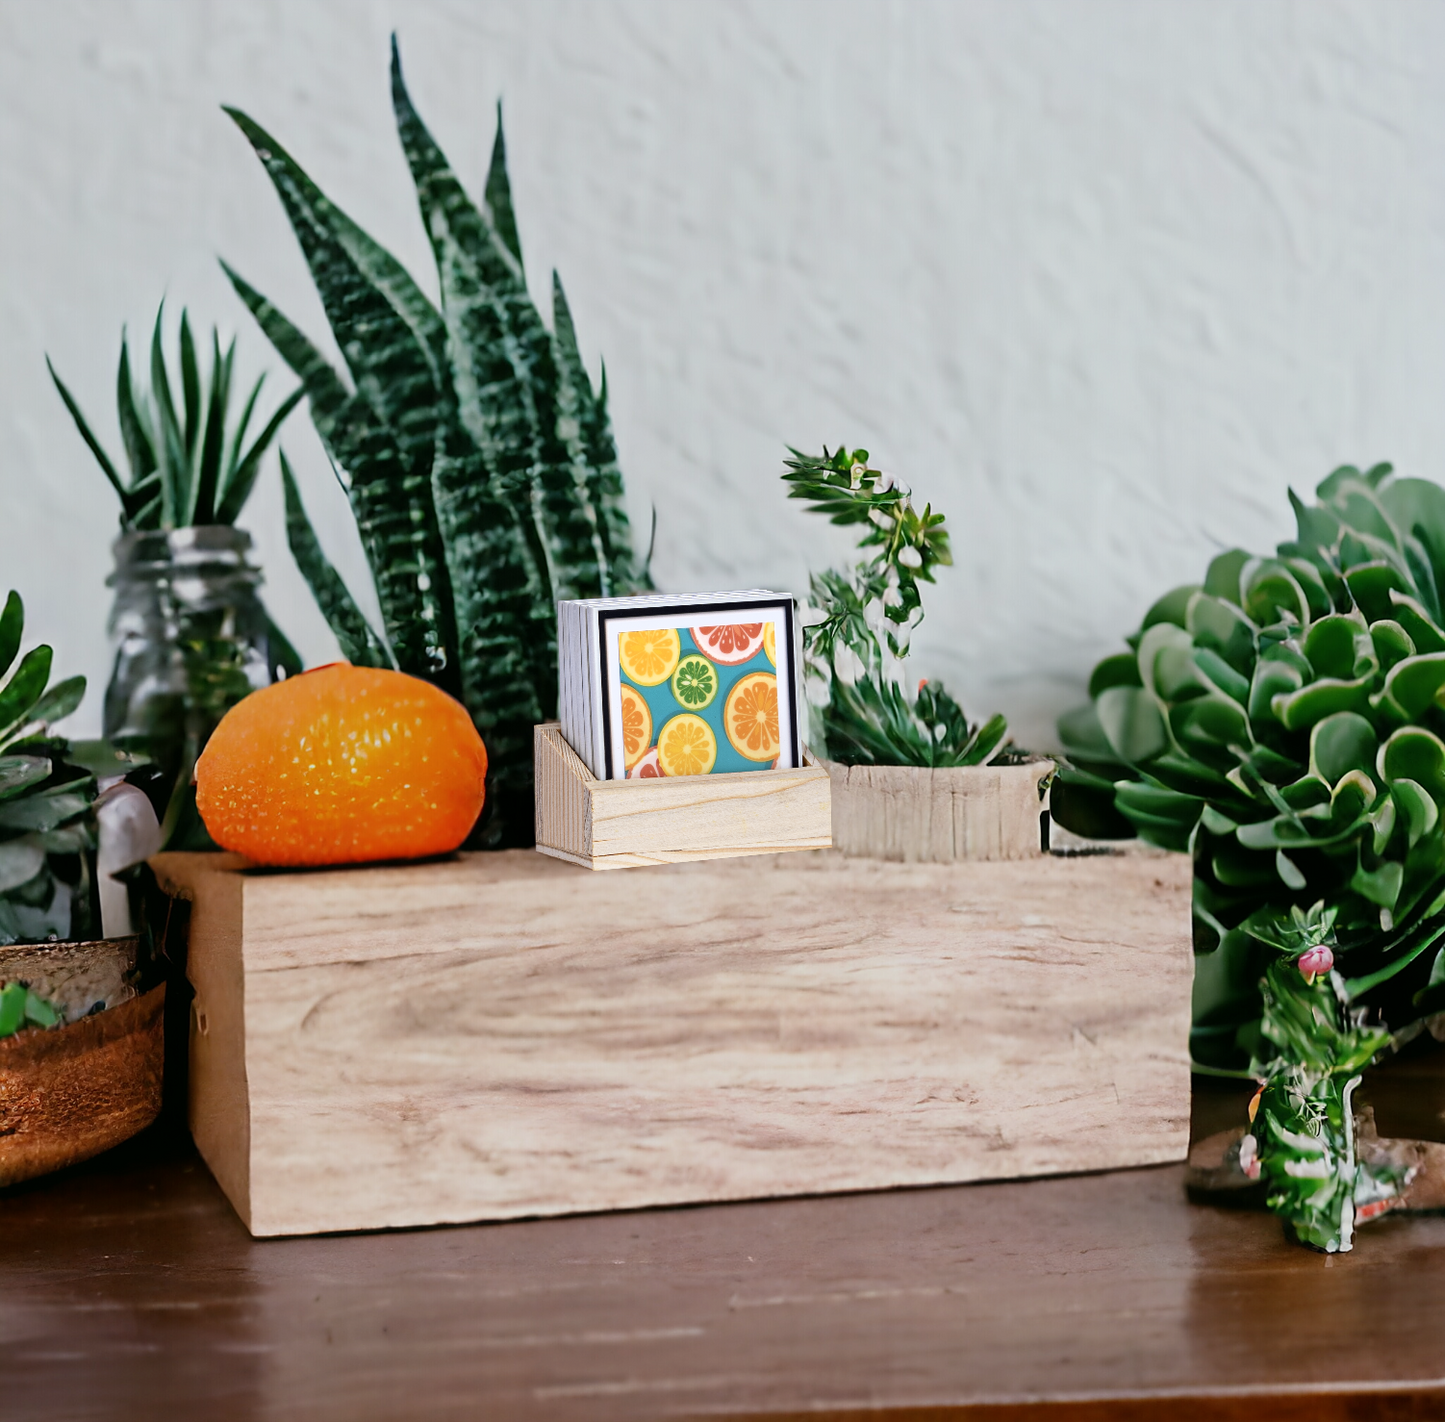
862	620
188	464
47	804
476	454
1284	722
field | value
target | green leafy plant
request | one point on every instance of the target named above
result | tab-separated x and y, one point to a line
1284	722
47	821
863	619
477	457
20	1007
186	466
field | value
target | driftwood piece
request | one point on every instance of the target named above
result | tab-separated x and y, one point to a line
914	815
625	824
501	1035
68	1093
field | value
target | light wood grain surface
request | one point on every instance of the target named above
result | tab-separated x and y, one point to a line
627	824
502	1035
915	815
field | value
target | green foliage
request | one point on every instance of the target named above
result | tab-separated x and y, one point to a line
476	454
1284	722
47	824
20	1007
865	618
186	466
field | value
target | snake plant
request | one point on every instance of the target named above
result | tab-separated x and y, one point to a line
477	456
1284	722
186	466
47	821
862	621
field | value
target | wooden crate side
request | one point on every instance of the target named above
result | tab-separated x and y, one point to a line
219	1108
563	811
915	815
548	1042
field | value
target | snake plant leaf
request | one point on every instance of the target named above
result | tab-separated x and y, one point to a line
238	435
95	446
396	514
359	644
381	350
501	359
190	390
606	494
207	442
498	191
172	459
242	479
24	688
135	433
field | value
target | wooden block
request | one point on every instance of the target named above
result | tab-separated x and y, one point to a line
501	1035
907	813
623	824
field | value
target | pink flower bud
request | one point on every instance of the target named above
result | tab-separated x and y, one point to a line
1249	1157
1315	961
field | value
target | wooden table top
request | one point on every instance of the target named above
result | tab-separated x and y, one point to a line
128	1288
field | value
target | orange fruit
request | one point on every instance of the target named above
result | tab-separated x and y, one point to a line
649	656
750	716
686	745
342	765
729	645
636	726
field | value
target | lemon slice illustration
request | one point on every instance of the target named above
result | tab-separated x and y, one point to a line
770	642
649	656
686	746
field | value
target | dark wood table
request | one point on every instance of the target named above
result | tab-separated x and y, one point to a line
128	1288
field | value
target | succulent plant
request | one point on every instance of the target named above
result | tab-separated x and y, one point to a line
862	621
186	466
1284	722
47	821
478	458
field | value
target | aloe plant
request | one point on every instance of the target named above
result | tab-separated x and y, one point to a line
186	466
476	454
1284	722
47	821
861	622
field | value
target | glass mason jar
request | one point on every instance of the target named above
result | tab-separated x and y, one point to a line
191	639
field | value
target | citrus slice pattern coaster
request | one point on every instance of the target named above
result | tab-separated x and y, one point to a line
649	656
686	746
695	682
750	717
730	645
636	726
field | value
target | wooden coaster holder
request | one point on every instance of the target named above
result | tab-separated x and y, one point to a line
622	824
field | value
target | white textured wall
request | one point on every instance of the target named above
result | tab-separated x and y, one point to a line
1099	279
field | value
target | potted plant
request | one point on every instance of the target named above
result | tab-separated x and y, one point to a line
81	1044
477	455
190	633
912	778
1282	722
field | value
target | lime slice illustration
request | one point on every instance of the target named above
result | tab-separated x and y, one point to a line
695	682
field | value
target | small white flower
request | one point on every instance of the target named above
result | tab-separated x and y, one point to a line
883	483
910	557
817	689
916	616
940	731
880	518
891	595
811	616
874	615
